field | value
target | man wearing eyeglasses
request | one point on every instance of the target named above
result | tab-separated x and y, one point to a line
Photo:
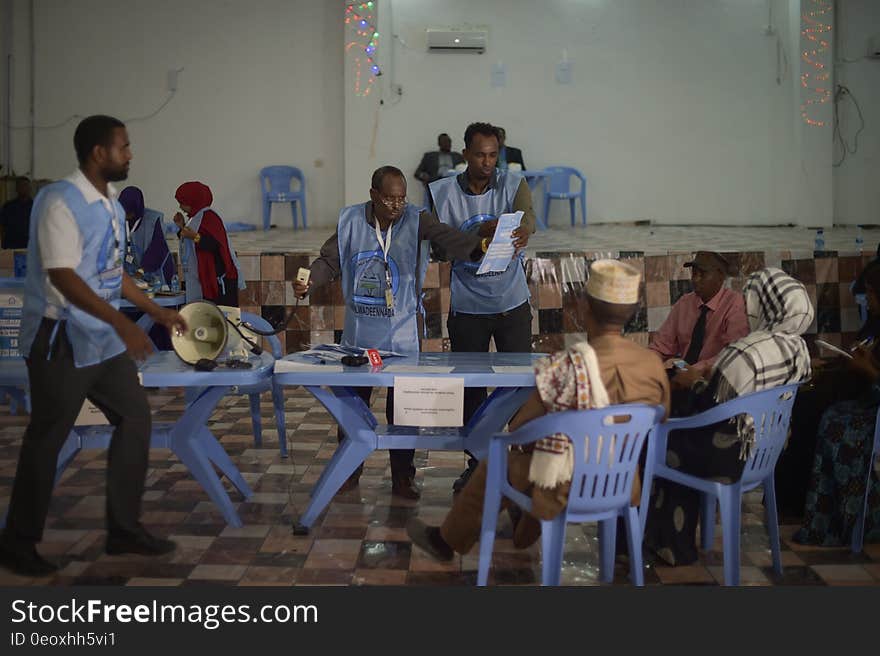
376	253
494	305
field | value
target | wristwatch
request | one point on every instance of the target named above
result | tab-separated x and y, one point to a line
699	385
484	244
197	238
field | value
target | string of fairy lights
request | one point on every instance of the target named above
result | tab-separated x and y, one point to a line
816	78
360	20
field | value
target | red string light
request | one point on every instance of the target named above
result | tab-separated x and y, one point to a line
816	76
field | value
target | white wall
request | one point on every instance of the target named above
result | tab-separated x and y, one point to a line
262	85
673	115
857	192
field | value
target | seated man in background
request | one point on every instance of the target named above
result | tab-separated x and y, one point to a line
702	322
437	163
627	373
15	217
508	155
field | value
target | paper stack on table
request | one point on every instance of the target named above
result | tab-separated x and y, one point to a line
335	352
285	366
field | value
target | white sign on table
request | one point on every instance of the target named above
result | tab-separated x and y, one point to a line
428	401
90	415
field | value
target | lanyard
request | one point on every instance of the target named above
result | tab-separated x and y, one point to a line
385	245
115	223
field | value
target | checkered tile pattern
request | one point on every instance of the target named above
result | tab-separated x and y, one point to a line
359	540
556	282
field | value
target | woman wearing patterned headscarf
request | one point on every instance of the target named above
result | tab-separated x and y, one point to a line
771	355
210	267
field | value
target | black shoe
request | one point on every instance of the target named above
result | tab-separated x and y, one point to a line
405	488
139	543
429	539
25	561
462	480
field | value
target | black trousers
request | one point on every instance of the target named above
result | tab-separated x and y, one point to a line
58	390
401	459
230	296
470	333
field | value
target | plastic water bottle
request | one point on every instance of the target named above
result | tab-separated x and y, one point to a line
175	284
860	242
820	240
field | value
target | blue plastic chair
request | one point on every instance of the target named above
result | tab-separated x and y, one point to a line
17	397
559	188
254	391
275	183
606	455
771	412
858	536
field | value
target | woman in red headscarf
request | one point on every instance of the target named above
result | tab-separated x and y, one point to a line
210	270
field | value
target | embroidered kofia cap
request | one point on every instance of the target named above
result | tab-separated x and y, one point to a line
614	281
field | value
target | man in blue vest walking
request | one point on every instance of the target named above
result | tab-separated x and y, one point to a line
489	306
78	346
377	256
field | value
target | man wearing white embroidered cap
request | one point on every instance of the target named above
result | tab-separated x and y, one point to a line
610	369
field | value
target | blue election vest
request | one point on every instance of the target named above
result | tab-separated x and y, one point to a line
189	262
140	238
103	243
369	322
490	293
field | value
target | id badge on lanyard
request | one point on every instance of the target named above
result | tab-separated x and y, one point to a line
385	245
110	269
389	294
129	246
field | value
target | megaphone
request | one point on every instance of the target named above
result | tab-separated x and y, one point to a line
215	332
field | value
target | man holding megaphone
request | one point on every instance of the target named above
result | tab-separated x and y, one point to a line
78	345
376	253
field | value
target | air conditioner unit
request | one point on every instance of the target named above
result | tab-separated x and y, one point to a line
473	41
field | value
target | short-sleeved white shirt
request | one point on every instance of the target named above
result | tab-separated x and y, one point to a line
59	237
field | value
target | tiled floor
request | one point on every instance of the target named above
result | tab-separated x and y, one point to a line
360	540
652	240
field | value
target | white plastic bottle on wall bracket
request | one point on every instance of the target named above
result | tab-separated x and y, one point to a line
860	242
820	240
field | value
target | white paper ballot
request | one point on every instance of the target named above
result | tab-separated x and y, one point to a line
832	347
501	250
426	401
416	369
285	366
518	369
